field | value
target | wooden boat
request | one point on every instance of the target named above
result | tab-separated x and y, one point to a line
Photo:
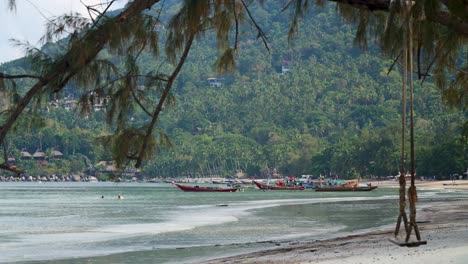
345	189
262	186
187	188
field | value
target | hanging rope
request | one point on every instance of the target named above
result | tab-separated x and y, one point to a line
412	198
402	216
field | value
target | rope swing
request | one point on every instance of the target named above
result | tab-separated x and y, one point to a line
412	193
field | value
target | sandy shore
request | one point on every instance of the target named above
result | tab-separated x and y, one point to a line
458	184
443	224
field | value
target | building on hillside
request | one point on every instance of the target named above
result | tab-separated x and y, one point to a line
25	154
69	105
56	154
285	67
39	155
11	159
215	82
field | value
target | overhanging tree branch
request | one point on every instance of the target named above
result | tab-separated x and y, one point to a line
69	65
20	76
372	5
442	17
164	95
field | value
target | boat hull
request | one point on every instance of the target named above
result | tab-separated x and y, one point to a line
345	189
187	188
278	188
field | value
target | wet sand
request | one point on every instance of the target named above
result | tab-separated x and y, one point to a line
443	224
457	184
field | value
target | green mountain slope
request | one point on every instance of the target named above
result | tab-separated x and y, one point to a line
336	111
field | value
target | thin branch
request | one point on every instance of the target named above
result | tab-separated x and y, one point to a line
164	95
44	16
236	19
286	6
460	70
372	5
133	92
430	66
95	24
8	76
126	76
259	29
394	62
89	9
419	61
140	104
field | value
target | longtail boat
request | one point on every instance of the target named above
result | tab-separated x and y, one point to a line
345	189
262	186
187	188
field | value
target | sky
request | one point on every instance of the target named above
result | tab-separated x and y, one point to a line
27	23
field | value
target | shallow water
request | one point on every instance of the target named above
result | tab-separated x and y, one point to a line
158	223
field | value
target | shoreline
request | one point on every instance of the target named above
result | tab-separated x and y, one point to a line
428	184
436	184
443	224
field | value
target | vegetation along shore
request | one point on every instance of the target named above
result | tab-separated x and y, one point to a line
350	114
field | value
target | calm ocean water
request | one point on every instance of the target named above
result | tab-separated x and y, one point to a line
158	223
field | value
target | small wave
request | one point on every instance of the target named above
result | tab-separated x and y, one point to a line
177	224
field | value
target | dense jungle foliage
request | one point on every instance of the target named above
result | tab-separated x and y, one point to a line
336	110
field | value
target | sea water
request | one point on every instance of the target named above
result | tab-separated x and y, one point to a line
158	223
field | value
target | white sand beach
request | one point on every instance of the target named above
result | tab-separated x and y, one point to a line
443	224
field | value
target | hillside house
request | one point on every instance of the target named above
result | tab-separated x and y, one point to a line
56	154
39	155
285	67
25	154
215	82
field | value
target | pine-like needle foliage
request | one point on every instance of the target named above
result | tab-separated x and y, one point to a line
119	85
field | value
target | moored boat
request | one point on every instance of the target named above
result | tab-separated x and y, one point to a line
188	188
262	186
345	188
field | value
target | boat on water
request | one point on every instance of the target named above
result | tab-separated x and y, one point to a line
263	186
345	188
188	188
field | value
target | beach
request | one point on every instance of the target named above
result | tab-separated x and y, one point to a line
443	224
83	222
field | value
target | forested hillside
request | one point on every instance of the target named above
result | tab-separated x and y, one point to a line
316	105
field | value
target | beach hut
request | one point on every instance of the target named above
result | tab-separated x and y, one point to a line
56	154
25	154
39	155
11	160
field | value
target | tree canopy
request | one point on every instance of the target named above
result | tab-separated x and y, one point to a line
101	57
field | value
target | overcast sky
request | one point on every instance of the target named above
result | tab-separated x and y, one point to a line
28	24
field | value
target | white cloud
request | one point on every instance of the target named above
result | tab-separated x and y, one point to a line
27	24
